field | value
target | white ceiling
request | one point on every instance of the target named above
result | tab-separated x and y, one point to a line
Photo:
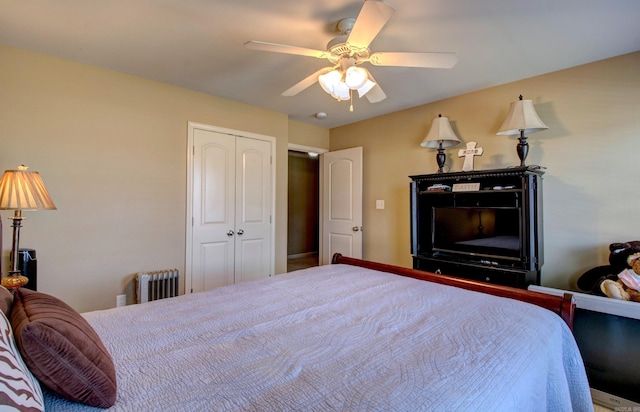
198	44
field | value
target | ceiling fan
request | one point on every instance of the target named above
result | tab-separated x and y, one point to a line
349	50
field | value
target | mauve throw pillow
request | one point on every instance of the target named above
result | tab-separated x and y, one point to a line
62	350
6	300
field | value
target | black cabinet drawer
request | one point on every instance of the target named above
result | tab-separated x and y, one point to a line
499	276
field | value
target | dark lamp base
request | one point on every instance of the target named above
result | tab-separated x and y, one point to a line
522	148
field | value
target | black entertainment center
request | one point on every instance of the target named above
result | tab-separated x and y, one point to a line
482	225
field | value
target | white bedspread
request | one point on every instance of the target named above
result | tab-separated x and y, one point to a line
339	337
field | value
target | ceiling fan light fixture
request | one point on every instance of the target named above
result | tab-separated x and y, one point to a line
339	86
332	83
329	80
341	91
355	77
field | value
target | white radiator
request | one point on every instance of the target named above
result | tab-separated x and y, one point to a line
156	285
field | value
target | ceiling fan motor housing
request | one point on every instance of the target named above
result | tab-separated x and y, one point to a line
339	48
344	26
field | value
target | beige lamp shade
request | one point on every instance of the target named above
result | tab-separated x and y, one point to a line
23	190
522	116
440	133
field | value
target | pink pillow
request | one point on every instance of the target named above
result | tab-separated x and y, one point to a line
6	300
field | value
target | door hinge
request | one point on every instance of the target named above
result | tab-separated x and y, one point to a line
193	219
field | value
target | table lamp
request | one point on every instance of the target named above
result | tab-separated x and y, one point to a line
440	136
21	190
522	118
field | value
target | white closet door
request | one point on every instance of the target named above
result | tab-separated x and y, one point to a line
213	231
253	209
231	209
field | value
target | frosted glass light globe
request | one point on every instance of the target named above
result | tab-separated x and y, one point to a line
355	77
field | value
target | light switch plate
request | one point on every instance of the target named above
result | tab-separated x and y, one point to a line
379	204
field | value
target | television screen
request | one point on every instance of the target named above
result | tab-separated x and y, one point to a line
488	232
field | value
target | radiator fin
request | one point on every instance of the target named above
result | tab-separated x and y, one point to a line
159	284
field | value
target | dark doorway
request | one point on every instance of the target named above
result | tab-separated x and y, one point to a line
303	216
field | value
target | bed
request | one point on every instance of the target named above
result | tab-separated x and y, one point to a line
352	336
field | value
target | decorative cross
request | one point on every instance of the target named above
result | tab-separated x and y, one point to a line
468	154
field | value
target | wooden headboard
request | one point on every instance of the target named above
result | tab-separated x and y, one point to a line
562	305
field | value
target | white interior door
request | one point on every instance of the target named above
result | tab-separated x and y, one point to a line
213	228
341	204
253	209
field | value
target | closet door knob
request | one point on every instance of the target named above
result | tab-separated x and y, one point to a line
240	232
355	228
230	233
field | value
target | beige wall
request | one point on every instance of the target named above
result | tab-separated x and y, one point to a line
111	149
591	153
303	134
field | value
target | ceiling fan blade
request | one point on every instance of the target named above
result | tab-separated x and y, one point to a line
429	60
310	80
371	19
376	94
284	48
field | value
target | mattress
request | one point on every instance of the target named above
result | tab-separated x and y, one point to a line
339	337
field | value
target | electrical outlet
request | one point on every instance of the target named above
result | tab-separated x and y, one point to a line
121	300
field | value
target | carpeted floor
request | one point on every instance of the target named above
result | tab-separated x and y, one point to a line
306	261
